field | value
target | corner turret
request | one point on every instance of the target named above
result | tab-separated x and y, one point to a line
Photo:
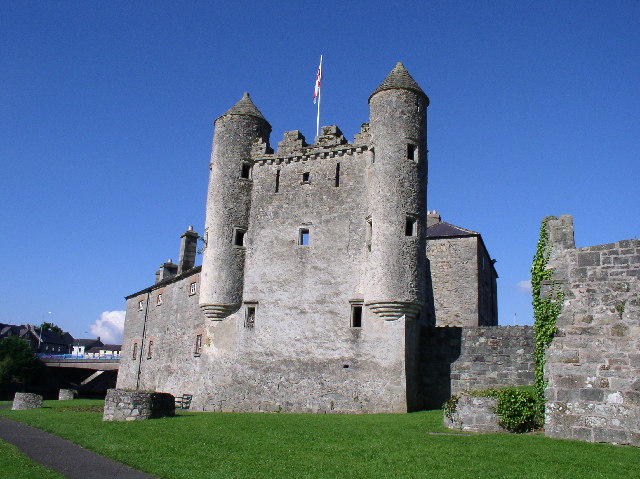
228	204
397	198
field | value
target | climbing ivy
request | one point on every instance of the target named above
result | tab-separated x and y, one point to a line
545	311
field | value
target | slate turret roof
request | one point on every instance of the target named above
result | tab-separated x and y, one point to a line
245	107
399	79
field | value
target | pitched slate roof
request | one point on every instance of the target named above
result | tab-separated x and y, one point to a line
399	79
245	107
442	229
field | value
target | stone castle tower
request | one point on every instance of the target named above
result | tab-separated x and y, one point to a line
313	289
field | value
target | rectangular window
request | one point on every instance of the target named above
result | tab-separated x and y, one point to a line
149	351
412	152
250	316
246	170
369	232
134	355
238	237
356	315
277	180
303	237
337	175
306	177
140	305
192	289
410	227
198	348
159	299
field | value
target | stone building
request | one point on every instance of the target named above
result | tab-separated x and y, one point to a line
463	275
314	289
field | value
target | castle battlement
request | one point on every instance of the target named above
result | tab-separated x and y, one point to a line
293	148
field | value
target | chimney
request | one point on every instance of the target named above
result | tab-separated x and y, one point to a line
188	248
433	218
168	269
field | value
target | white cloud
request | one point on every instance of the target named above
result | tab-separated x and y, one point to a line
524	287
109	327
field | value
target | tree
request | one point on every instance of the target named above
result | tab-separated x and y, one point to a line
17	362
52	327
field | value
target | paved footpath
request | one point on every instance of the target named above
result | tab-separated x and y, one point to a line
63	456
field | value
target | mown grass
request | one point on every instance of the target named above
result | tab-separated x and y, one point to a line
233	445
15	465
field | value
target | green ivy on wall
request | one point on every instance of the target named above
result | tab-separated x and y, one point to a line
545	311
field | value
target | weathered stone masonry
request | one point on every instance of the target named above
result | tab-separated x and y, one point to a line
593	364
314	287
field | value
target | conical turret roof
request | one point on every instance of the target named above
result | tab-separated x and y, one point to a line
245	107
399	79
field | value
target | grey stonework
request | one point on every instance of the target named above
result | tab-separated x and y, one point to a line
67	394
593	364
26	401
474	414
268	325
463	276
456	360
120	405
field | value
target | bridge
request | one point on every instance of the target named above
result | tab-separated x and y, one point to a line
82	372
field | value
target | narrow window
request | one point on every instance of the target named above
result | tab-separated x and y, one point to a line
246	170
238	237
277	180
369	233
150	350
140	305
337	174
410	227
135	351
303	237
198	348
412	152
373	156
356	315
192	289
159	299
250	317
306	177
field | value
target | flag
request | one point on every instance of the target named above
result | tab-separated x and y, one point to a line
316	92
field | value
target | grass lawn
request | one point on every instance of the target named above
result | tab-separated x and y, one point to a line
234	445
15	465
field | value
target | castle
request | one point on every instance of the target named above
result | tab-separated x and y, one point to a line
322	269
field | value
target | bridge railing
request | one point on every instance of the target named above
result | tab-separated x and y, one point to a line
76	356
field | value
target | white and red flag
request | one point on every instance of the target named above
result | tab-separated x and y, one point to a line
316	91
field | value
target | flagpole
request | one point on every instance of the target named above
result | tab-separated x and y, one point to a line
319	97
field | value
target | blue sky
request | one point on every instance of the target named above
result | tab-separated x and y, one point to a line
107	109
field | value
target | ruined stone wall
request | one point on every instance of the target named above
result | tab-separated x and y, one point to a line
593	364
454	277
465	359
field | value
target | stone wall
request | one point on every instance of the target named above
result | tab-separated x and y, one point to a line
463	359
593	364
474	414
67	394
120	405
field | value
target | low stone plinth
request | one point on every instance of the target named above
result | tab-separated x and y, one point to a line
474	414
66	394
121	405
26	401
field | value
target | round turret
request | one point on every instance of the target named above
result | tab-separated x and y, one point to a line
228	203
397	197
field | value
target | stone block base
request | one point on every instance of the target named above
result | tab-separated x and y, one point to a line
26	401
121	405
66	394
474	414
